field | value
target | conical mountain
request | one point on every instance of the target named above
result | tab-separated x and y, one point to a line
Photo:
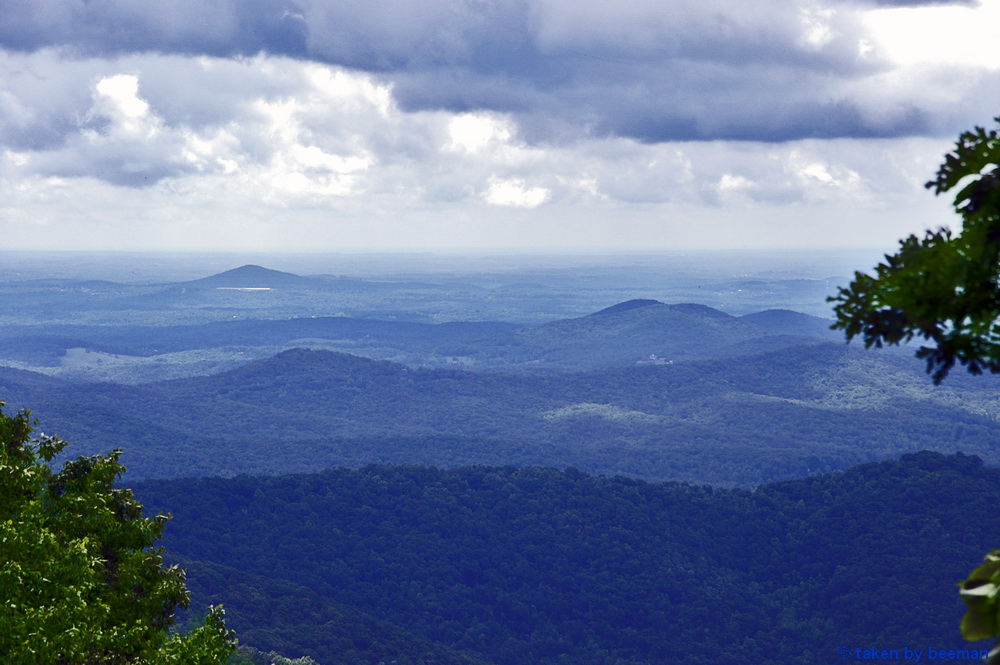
254	276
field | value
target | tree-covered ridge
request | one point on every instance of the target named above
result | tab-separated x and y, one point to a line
739	422
538	566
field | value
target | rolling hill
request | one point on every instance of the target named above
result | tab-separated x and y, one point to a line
624	334
737	421
633	331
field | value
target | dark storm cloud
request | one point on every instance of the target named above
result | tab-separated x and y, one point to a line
104	27
771	70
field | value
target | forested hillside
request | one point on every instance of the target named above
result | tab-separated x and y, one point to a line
738	421
537	566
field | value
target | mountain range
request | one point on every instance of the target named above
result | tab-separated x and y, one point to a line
118	349
629	484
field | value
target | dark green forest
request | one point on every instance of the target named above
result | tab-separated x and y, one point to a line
538	566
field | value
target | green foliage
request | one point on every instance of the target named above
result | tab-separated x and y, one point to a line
291	618
79	579
942	287
981	593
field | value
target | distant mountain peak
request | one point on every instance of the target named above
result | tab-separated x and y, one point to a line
250	276
253	270
627	305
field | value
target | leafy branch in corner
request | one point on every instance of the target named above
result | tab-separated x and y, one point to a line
943	287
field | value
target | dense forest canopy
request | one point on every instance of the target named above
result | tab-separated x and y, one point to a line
536	566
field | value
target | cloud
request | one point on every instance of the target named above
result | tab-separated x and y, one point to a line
312	125
609	194
291	132
516	193
772	70
192	27
118	139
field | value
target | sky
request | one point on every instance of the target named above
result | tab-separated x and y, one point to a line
470	125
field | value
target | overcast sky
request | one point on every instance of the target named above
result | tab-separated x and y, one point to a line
542	125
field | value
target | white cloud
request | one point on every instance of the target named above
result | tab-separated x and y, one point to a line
819	172
122	91
769	70
474	132
963	35
817	32
732	187
516	193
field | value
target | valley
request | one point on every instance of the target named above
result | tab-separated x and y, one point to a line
508	469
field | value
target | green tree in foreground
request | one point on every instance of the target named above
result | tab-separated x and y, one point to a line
943	287
79	580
